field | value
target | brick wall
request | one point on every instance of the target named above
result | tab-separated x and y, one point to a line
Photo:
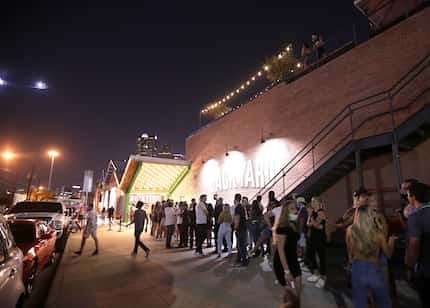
297	111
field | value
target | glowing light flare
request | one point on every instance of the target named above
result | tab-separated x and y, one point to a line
259	73
266	68
299	65
53	153
40	85
8	155
274	149
2	82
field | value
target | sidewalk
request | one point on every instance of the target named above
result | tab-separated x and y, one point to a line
169	278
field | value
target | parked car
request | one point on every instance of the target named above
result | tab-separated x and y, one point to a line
11	269
37	242
52	212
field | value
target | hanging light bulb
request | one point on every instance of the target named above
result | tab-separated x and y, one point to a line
248	82
253	78
266	68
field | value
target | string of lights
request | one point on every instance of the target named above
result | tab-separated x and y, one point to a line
220	105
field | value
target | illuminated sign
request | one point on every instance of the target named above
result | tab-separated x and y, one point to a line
237	170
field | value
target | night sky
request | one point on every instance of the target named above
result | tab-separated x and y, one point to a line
116	71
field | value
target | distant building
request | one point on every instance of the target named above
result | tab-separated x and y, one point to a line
147	145
165	151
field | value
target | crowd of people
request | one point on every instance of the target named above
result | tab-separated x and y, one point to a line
291	230
295	234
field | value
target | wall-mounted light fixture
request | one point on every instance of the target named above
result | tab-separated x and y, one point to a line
262	140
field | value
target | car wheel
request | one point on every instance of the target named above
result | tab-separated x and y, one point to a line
30	279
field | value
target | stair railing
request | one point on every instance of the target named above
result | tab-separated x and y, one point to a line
344	120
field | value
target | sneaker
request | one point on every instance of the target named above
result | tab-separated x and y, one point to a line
79	252
313	278
96	252
134	253
147	253
320	283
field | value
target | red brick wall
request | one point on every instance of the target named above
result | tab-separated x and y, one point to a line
297	111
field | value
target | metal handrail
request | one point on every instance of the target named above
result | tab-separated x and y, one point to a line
346	112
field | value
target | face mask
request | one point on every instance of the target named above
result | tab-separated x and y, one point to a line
293	217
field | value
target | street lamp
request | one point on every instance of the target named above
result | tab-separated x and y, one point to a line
2	82
40	85
8	155
52	154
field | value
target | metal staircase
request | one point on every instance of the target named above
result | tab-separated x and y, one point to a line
396	119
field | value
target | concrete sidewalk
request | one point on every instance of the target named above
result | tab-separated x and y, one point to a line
169	278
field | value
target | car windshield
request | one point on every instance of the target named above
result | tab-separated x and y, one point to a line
23	233
25	207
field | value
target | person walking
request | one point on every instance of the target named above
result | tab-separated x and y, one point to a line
201	224
90	230
224	229
170	221
103	215
111	211
139	219
366	243
241	231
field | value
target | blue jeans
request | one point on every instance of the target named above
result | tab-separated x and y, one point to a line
255	232
367	276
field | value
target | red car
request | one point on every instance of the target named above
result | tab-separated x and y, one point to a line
37	242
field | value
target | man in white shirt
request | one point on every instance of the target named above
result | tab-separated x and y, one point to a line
170	221
201	223
90	229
